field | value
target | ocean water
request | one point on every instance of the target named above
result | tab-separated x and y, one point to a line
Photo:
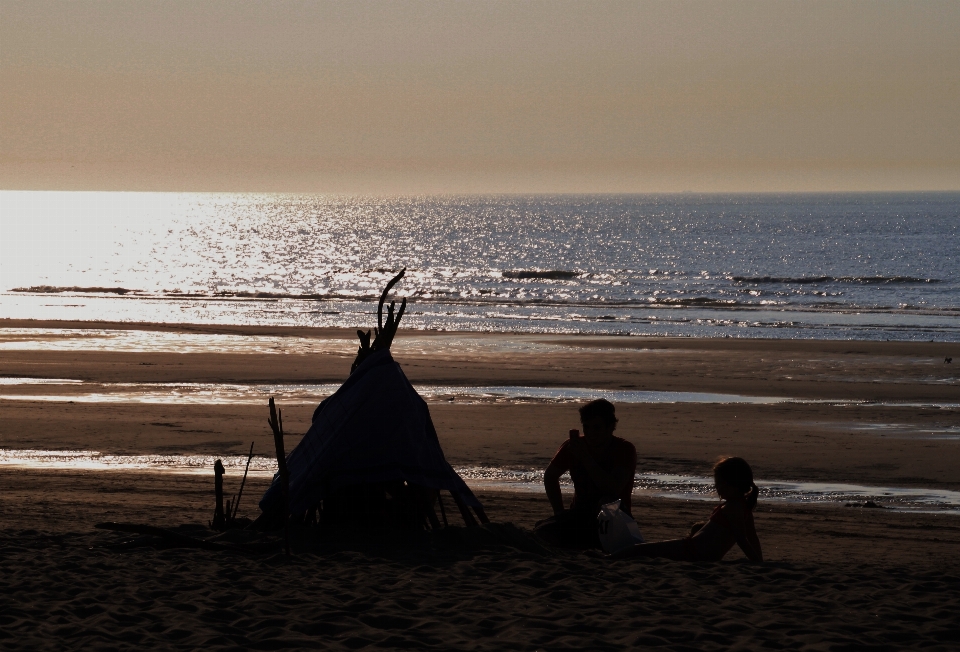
857	266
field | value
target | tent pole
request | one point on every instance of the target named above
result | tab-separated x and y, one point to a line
482	515
443	512
425	500
464	510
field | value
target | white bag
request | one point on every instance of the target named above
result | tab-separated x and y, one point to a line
617	529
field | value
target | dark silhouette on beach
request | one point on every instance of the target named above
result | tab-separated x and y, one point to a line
601	466
730	523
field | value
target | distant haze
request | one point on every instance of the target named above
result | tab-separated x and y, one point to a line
416	97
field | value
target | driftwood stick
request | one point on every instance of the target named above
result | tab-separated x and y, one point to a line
276	424
383	332
383	297
236	503
219	520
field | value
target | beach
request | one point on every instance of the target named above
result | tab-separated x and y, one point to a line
727	232
837	575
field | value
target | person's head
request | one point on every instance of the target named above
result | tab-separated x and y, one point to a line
734	480
599	419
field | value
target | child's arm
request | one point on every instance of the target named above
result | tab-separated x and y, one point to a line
754	539
744	531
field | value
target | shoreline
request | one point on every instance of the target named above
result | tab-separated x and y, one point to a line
627	340
692	319
337	332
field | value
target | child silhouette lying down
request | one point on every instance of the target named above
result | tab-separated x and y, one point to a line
731	522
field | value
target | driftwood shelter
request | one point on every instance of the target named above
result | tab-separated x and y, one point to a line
370	458
371	455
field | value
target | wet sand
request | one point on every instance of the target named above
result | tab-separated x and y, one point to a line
837	578
787	441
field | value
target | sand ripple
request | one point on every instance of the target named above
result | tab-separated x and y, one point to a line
472	593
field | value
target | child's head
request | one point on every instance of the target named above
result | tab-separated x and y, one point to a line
734	479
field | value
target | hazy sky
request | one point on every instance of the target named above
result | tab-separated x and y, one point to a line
412	96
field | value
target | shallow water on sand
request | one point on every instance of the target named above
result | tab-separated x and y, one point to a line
662	485
306	393
900	430
147	341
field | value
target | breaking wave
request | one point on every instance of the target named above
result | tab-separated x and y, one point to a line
511	300
698	302
553	274
865	280
53	289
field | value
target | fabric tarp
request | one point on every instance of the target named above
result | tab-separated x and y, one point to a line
375	428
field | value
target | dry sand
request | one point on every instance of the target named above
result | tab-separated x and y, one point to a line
837	578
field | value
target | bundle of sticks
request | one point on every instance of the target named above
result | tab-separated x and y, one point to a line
226	518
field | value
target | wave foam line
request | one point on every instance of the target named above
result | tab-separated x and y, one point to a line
864	280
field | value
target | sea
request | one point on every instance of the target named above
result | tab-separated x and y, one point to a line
879	266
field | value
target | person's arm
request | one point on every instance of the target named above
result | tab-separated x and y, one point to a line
551	478
626	490
754	539
744	531
551	482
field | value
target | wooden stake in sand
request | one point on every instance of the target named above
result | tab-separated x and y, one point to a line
236	503
219	520
443	512
276	424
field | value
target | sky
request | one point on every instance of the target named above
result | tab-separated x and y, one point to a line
480	97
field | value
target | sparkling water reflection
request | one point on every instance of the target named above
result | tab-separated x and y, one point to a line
305	393
740	265
147	341
222	393
663	485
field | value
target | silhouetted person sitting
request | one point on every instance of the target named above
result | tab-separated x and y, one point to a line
601	467
730	523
